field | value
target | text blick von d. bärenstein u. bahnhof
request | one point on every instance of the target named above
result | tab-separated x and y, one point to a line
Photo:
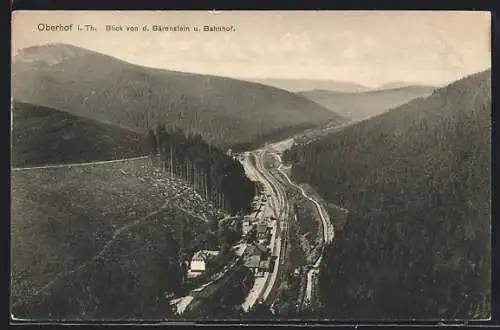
174	28
119	28
185	28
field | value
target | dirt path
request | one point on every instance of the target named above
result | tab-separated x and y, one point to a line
105	248
77	164
194	215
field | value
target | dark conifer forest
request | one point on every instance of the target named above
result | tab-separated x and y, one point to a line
214	175
417	184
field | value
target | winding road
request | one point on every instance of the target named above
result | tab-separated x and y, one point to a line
328	229
328	232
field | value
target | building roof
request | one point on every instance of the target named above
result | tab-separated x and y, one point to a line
256	249
261	248
252	262
264	264
205	254
262	227
256	262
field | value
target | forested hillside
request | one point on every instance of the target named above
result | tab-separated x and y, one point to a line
42	136
366	104
417	183
224	111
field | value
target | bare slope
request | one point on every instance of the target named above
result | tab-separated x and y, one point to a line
366	104
99	240
417	183
224	111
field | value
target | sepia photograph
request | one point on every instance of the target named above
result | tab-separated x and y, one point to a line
250	165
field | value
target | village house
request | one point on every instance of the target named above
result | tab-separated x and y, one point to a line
258	249
257	265
263	232
199	261
247	226
258	260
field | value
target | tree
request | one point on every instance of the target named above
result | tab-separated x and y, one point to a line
239	225
152	143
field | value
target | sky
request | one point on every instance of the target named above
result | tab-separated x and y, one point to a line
370	48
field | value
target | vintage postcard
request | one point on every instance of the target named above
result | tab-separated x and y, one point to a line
245	165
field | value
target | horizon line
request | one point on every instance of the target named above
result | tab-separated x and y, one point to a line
404	83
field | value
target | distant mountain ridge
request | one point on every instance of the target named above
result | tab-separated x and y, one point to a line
224	111
401	84
334	86
297	85
366	104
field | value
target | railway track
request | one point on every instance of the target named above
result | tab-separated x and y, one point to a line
274	183
283	218
277	204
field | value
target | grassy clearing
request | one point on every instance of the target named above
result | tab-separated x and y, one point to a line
129	281
62	217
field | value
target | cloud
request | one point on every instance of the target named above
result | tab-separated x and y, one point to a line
363	47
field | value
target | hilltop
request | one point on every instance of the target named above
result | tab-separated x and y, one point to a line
224	111
42	136
417	183
366	104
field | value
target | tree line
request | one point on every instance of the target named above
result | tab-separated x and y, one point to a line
216	176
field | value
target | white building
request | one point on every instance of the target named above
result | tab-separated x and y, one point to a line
199	261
